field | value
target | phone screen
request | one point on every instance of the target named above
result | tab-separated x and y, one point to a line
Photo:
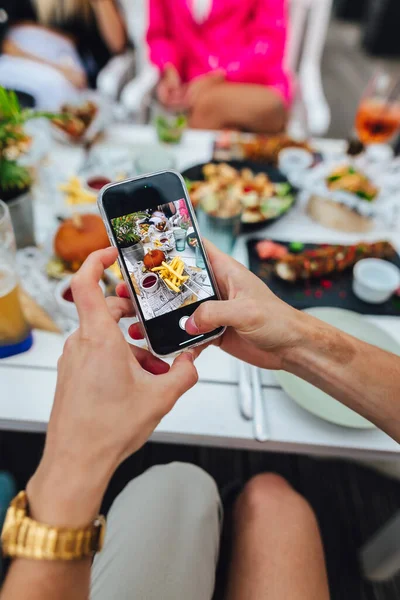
160	248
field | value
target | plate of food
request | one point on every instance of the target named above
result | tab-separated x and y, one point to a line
262	193
81	122
234	145
346	197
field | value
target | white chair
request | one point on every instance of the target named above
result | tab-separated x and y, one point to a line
308	28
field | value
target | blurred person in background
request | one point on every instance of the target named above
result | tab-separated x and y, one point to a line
222	61
52	48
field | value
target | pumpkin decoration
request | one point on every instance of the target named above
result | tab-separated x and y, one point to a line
77	237
153	258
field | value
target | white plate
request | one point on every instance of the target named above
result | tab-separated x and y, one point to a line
314	400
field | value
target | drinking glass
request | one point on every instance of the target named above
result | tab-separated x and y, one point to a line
378	114
199	258
15	334
221	231
180	239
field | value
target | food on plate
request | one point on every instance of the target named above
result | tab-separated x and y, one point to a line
296	247
227	192
154	258
329	259
77	237
97	183
267	148
348	179
172	274
192	241
266	250
68	295
334	215
161	225
36	316
76	120
75	193
143	229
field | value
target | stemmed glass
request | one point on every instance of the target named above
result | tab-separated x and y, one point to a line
378	114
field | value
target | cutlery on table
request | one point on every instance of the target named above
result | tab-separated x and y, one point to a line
259	418
245	391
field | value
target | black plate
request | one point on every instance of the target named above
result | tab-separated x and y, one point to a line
276	176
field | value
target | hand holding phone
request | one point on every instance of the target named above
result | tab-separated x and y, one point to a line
151	221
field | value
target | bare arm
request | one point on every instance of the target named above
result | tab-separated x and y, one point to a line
266	332
12	49
75	76
98	419
363	377
111	25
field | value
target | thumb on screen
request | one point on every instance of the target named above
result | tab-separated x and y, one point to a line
213	314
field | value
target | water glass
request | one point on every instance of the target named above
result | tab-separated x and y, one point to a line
222	232
154	159
199	258
180	239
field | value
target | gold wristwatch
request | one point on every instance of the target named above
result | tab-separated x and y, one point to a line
22	537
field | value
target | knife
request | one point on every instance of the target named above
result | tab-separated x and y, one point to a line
245	392
259	420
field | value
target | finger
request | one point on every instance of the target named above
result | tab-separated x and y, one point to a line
88	296
122	290
181	377
149	362
218	313
136	332
120	308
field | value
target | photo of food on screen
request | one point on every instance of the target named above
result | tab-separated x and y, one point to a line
165	262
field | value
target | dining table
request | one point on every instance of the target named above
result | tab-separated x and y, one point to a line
209	413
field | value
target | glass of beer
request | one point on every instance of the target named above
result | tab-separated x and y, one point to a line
15	334
378	114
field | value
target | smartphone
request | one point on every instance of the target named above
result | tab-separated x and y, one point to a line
151	221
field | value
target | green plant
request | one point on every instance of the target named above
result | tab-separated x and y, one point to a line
14	142
125	230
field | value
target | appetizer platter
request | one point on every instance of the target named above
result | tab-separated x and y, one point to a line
349	198
260	193
315	275
82	122
233	145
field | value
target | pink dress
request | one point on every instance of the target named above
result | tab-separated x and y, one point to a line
245	38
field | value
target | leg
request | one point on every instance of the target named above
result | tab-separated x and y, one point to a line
241	106
162	539
277	553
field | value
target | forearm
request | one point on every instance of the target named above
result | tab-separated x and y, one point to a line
363	377
64	495
110	24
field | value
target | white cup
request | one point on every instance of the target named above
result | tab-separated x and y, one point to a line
375	280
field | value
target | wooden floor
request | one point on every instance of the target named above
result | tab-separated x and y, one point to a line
350	501
346	70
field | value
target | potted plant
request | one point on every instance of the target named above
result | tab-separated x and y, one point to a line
128	238
15	179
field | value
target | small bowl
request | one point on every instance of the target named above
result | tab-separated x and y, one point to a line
294	160
152	288
68	307
375	280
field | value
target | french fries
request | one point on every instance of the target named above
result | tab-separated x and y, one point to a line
75	193
172	274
